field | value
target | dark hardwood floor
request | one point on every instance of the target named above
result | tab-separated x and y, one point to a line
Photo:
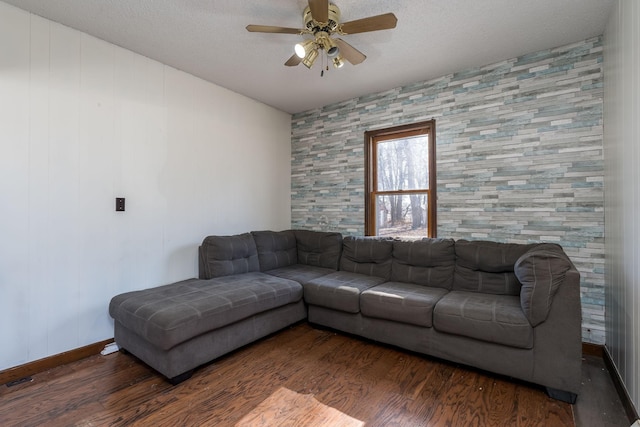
326	375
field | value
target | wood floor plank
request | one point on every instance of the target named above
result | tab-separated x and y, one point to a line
500	402
288	408
333	376
416	388
410	377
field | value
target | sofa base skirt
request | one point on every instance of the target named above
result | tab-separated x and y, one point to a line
204	348
520	363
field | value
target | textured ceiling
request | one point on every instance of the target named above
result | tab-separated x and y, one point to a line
207	38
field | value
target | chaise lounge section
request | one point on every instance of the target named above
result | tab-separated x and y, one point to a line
512	309
177	327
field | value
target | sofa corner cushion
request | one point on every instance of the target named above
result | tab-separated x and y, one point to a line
401	302
488	267
275	248
170	314
339	290
429	262
541	272
493	318
319	248
367	255
227	255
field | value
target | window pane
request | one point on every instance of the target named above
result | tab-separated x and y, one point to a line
402	164
402	216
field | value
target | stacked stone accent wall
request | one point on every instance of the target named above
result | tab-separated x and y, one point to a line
518	150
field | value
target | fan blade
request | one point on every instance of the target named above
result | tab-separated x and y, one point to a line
349	52
319	10
271	29
372	23
293	61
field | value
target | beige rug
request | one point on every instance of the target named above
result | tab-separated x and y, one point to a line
288	408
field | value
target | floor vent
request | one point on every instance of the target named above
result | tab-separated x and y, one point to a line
19	381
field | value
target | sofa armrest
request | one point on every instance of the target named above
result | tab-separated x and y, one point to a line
541	271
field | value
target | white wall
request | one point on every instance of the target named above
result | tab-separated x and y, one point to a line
622	191
82	122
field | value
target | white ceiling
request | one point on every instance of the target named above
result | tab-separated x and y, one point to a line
207	38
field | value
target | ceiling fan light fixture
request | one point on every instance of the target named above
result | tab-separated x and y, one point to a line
331	47
310	58
303	48
321	24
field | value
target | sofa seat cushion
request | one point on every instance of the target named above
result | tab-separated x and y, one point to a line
339	290
300	273
401	302
494	318
168	315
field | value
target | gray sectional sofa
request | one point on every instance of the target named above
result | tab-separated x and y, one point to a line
512	309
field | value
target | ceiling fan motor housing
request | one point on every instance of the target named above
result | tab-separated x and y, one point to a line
314	26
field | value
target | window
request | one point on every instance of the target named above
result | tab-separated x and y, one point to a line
400	181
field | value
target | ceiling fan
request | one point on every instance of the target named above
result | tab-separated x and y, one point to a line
322	21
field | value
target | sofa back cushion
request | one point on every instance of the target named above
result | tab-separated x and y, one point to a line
276	249
226	255
319	248
428	262
367	255
488	267
541	271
